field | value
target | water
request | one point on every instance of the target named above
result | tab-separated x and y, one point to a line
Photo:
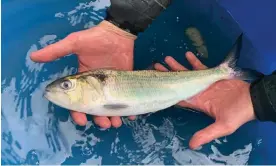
35	131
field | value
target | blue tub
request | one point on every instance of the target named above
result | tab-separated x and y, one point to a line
35	131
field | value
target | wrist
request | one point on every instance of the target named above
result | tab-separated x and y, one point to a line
134	16
116	30
252	114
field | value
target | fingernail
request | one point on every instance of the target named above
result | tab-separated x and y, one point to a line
81	121
190	53
168	58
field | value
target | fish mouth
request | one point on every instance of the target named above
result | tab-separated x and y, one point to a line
47	94
52	98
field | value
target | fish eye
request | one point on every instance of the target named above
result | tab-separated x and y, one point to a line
66	85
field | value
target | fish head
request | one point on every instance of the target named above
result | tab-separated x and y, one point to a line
75	92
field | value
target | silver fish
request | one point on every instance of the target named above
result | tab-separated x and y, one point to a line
106	92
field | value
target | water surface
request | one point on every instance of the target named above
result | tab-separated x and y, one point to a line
35	131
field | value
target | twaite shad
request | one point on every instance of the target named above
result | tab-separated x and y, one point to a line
124	93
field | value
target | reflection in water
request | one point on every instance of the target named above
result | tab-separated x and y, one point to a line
85	13
162	145
27	116
238	157
9	151
37	132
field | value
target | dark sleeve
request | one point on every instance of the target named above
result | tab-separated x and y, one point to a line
263	96
135	16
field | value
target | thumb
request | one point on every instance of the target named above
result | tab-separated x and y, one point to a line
56	50
206	135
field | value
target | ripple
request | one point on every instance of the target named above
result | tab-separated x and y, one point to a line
38	132
85	13
41	126
238	157
27	117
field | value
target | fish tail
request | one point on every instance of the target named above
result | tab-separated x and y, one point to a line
230	64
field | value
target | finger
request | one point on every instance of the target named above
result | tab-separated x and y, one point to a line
160	67
132	117
116	121
185	104
206	135
56	50
102	121
195	62
173	64
79	118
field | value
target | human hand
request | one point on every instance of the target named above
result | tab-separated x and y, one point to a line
227	101
103	46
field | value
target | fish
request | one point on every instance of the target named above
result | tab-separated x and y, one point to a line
107	92
195	36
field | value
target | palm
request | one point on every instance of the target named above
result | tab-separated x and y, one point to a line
98	47
227	101
214	103
217	102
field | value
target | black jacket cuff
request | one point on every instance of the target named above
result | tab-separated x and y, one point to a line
135	16
263	96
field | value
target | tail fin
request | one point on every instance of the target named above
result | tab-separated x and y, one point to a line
230	64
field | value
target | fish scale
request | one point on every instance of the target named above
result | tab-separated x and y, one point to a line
124	93
141	88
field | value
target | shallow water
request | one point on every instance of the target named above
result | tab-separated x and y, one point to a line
36	131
